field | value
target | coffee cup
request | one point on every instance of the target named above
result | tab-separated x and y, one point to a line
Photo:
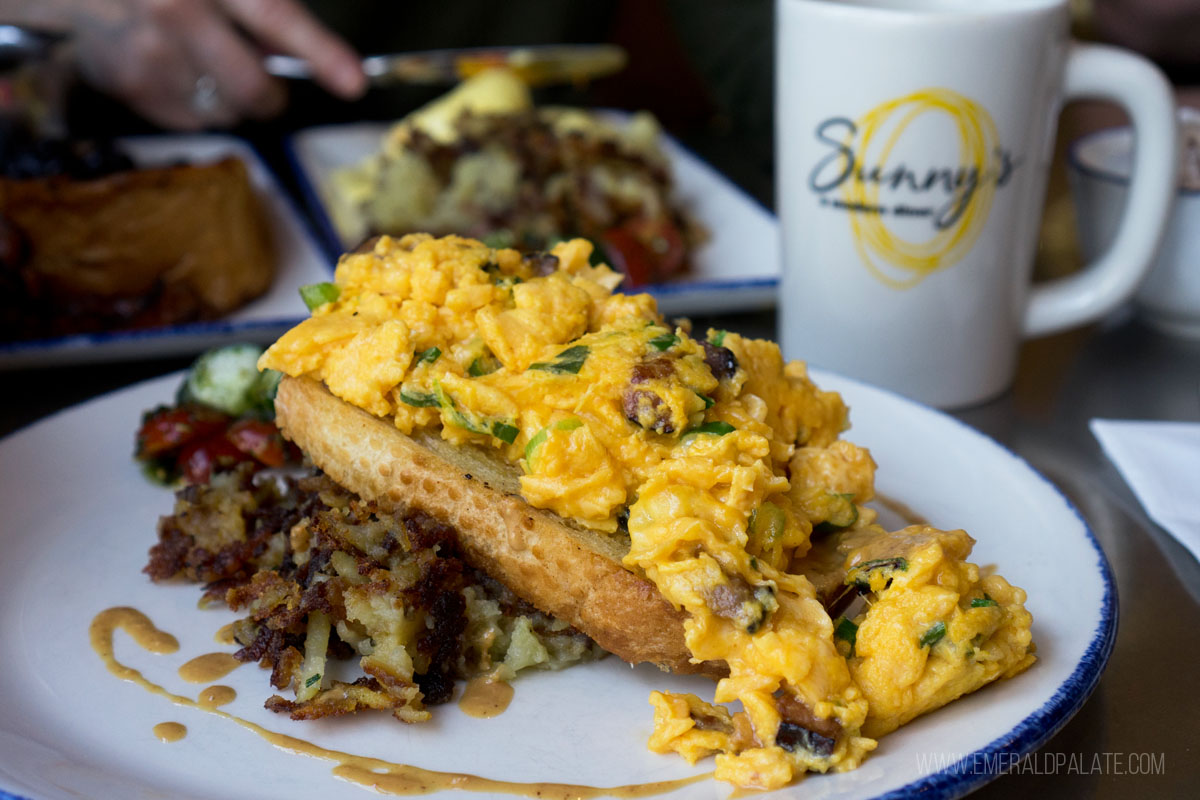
914	139
1099	171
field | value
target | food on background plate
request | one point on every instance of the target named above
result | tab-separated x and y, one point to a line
90	243
323	575
685	501
484	162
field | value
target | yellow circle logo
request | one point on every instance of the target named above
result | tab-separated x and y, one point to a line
890	234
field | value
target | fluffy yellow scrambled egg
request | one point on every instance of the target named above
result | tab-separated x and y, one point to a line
722	465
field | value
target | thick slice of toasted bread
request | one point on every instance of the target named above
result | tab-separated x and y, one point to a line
566	570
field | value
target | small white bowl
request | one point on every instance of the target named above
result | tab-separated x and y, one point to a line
1099	167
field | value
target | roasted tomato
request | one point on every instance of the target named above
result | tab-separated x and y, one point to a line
646	250
200	459
166	429
258	439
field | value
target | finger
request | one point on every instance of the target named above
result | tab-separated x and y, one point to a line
215	49
286	26
146	70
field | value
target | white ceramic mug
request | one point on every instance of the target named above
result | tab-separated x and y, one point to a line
1169	298
914	139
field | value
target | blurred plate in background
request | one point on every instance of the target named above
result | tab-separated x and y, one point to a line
737	269
300	261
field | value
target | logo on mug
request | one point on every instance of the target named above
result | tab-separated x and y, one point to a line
916	176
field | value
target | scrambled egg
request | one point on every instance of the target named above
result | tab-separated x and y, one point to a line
722	465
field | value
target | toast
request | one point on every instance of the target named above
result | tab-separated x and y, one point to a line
133	249
564	569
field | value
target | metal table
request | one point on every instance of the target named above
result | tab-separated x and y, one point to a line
1118	369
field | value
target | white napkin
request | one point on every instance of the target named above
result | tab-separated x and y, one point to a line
1161	463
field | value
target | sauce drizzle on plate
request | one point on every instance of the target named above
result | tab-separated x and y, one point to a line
383	776
170	731
208	667
485	697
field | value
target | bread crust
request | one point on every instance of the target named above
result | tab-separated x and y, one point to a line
568	571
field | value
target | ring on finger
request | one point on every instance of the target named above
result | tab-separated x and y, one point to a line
206	98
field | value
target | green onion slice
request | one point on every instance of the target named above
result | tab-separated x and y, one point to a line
664	342
316	295
847	631
717	428
428	356
568	361
418	399
541	436
933	635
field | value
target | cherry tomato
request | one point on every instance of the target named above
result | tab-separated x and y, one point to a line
258	439
167	429
646	250
626	254
200	459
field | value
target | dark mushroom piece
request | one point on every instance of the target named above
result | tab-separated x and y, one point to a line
541	264
720	360
645	408
800	728
738	601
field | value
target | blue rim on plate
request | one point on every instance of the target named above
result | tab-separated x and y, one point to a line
331	242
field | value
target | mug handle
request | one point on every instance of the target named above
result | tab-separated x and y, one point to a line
1110	73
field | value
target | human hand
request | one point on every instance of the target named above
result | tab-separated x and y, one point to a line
191	64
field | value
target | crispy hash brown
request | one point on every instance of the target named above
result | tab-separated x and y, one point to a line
325	575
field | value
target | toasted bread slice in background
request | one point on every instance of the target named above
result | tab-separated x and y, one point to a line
566	570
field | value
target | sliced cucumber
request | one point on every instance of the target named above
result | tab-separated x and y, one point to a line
228	380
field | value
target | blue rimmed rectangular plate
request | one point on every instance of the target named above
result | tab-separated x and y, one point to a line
737	269
300	260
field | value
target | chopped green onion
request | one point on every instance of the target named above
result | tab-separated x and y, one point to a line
428	356
664	342
418	399
534	443
540	437
717	428
505	432
718	338
845	512
568	361
767	523
983	602
754	563
847	631
933	635
316	295
708	401
856	574
485	364
900	563
501	429
311	680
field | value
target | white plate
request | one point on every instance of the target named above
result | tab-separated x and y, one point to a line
736	270
78	519
300	261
